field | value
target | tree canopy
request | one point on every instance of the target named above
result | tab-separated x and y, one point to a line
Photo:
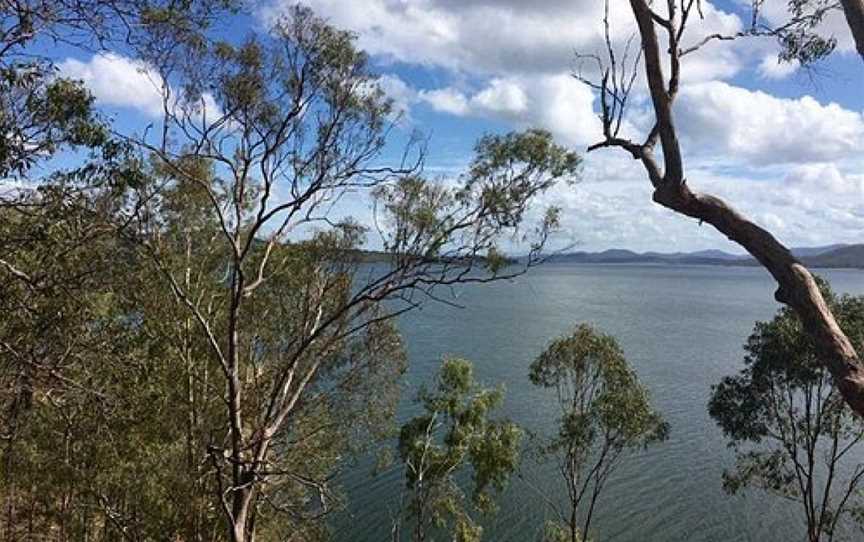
793	435
605	412
455	433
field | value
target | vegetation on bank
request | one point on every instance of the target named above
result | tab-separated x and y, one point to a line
191	346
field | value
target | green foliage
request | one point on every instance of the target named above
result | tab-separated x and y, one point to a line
436	221
454	434
605	412
799	37
97	351
792	432
41	114
589	369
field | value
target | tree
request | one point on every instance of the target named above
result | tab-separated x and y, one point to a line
455	433
239	267
297	123
111	397
40	113
605	413
799	37
792	433
796	286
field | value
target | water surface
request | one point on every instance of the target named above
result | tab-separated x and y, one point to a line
681	328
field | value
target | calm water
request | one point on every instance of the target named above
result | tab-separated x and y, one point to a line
682	329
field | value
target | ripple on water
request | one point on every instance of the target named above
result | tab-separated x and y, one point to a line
682	329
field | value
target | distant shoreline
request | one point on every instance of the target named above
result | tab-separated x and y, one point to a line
686	264
828	257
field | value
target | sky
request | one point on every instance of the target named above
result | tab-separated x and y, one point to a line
782	144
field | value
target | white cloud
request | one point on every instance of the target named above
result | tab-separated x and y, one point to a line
118	81
826	180
502	96
809	206
508	38
756	127
771	68
446	100
397	90
555	102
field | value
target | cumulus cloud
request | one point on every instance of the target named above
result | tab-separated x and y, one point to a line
556	102
826	180
446	100
519	55
502	96
119	81
761	129
597	214
398	91
772	68
509	37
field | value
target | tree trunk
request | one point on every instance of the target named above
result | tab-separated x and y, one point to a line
241	530
797	288
854	10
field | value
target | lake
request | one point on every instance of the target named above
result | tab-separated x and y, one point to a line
681	328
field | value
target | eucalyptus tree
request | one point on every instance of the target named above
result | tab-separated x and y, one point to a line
55	252
455	434
53	267
793	435
605	412
287	126
238	269
41	113
663	67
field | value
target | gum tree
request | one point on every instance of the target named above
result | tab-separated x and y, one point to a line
287	126
455	434
605	414
793	435
664	46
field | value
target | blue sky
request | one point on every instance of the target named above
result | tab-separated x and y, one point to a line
781	144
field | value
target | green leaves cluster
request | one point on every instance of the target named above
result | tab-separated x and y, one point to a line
456	434
41	114
793	434
465	219
605	412
601	395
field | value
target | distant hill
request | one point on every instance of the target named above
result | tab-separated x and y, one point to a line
838	256
844	256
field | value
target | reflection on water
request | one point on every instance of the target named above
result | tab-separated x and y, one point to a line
682	329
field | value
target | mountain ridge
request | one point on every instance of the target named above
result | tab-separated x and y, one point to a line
844	256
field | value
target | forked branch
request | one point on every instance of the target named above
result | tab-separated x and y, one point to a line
796	286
